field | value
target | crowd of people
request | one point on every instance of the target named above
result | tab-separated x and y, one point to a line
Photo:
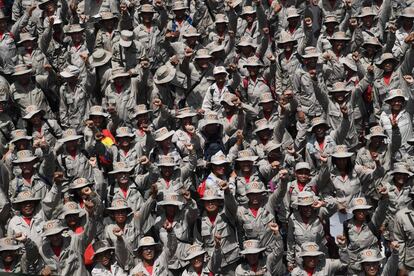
207	137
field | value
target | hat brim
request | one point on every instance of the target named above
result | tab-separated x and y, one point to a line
166	165
360	207
342	155
124	170
170	202
402	172
221	162
209	198
168	78
250	158
130	135
26	39
256	191
319	124
195	254
371	260
246	44
310	56
103	114
80	186
23	72
25	160
120	75
54	231
70	138
75	31
10	247
186	115
119	208
106	59
125	43
67	75
262	128
369	136
366	14
29	115
393	97
21	138
17	201
145	245
252	251
165	136
101	250
311	254
381	62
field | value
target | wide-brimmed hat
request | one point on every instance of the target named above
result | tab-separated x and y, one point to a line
119	72
310	249
43	3
191	32
212	194
396	93
214	47
202	54
292	12
146	241
310	52
253	61
359	203
286	37
32	110
248	10
25	196
19	134
376	131
107	15
26	37
119	204
99	57
407	12
271	146
219	158
124	132
164	74
52	227
246	41
25	156
246	155
305	198
266	98
100	247
349	62
367	11
302	166
341	151
162	134
97	110
68	135
171	198
339	87
261	124
219	70
193	251
185	112
9	244
70	71
255	187
140	110
147	8
126	39
252	247
401	167
330	19
71	208
179	5
385	57
120	167
341	36
317	121
228	98
370	256
74	28
21	69
79	183
221	18
372	40
166	161
211	118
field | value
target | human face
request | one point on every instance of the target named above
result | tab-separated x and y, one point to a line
124	141
27	168
288	46
250	17
220	78
310	261
303	175
171	210
246	166
104	258
191	41
339	97
148	253
147	17
267	107
246	50
319	131
370	50
255	199
388	66
253	70
211	129
197	262
211	206
72	220
22	144
377	141
3	106
220	27
36	120
51	8
264	134
3	25
28	45
72	81
180	14
219	170
120	216
23	79
8	256
77	38
108	24
203	62
400	179
228	108
56	240
71	146
142	120
97	120
166	144
397	104
407	23
27	208
367	21
370	268
293	22
186	121
341	163
360	215
338	45
167	171
252	259
310	63
120	81
306	211
122	178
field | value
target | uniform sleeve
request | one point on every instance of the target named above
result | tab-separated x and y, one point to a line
51	200
400	237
